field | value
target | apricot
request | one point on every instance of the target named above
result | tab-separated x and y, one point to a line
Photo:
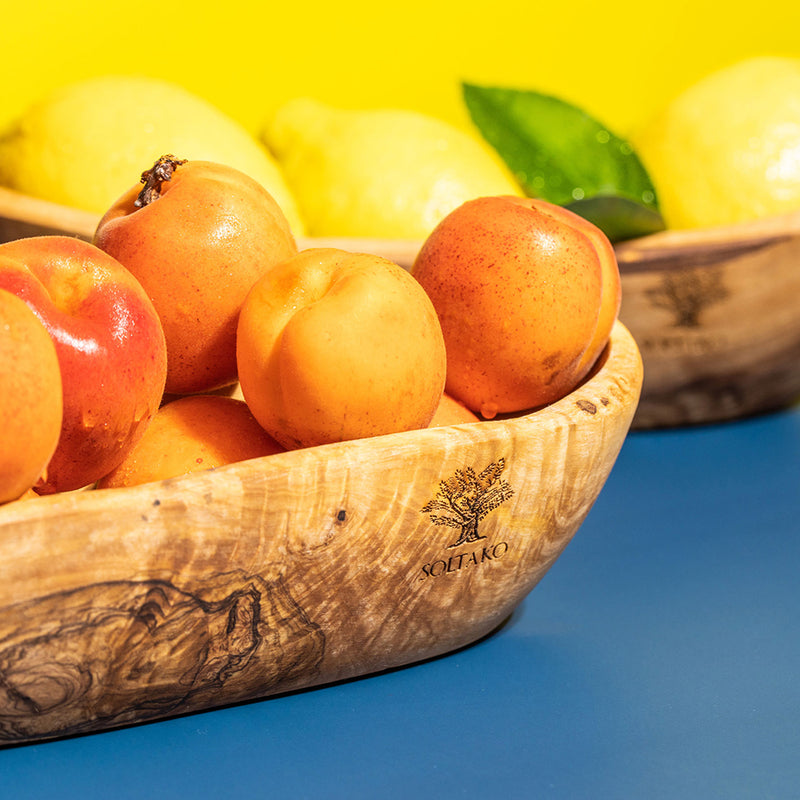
335	345
451	412
611	298
189	434
197	235
518	289
31	403
110	348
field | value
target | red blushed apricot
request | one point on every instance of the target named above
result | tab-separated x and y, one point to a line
31	404
518	293
334	346
189	434
110	348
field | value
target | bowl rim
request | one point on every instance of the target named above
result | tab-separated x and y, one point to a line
617	374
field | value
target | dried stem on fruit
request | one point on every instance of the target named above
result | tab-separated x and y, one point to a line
154	177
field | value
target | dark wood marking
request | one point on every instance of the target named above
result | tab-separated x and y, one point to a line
114	653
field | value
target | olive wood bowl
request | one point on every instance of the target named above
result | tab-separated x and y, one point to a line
715	312
294	570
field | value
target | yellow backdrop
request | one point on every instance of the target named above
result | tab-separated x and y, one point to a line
617	58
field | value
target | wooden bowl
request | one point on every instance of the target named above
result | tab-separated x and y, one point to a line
297	569
716	313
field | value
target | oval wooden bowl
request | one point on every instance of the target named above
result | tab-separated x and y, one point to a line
716	313
293	570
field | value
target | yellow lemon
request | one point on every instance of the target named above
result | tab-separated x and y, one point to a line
86	143
727	149
382	173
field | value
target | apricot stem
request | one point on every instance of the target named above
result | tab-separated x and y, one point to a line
154	177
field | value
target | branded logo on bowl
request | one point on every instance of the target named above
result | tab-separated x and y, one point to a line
461	502
687	293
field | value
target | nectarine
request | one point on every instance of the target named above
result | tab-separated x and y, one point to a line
110	348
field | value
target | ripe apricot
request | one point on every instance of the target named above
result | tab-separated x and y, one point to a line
451	412
31	404
611	298
110	348
335	345
189	434
518	292
197	236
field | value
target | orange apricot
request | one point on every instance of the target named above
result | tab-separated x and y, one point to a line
197	236
31	400
611	298
190	434
334	345
518	292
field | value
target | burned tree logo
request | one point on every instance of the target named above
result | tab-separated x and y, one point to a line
465	498
687	293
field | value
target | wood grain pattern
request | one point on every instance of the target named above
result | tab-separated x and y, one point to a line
22	215
716	312
293	570
716	315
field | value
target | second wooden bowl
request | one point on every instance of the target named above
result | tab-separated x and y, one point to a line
716	314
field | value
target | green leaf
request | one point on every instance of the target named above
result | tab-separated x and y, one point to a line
561	154
618	217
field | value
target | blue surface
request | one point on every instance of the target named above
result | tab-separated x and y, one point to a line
659	658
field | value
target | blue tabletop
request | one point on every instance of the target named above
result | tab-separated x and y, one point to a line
659	658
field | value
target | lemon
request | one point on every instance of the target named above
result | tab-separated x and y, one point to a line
382	173
87	142
727	149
